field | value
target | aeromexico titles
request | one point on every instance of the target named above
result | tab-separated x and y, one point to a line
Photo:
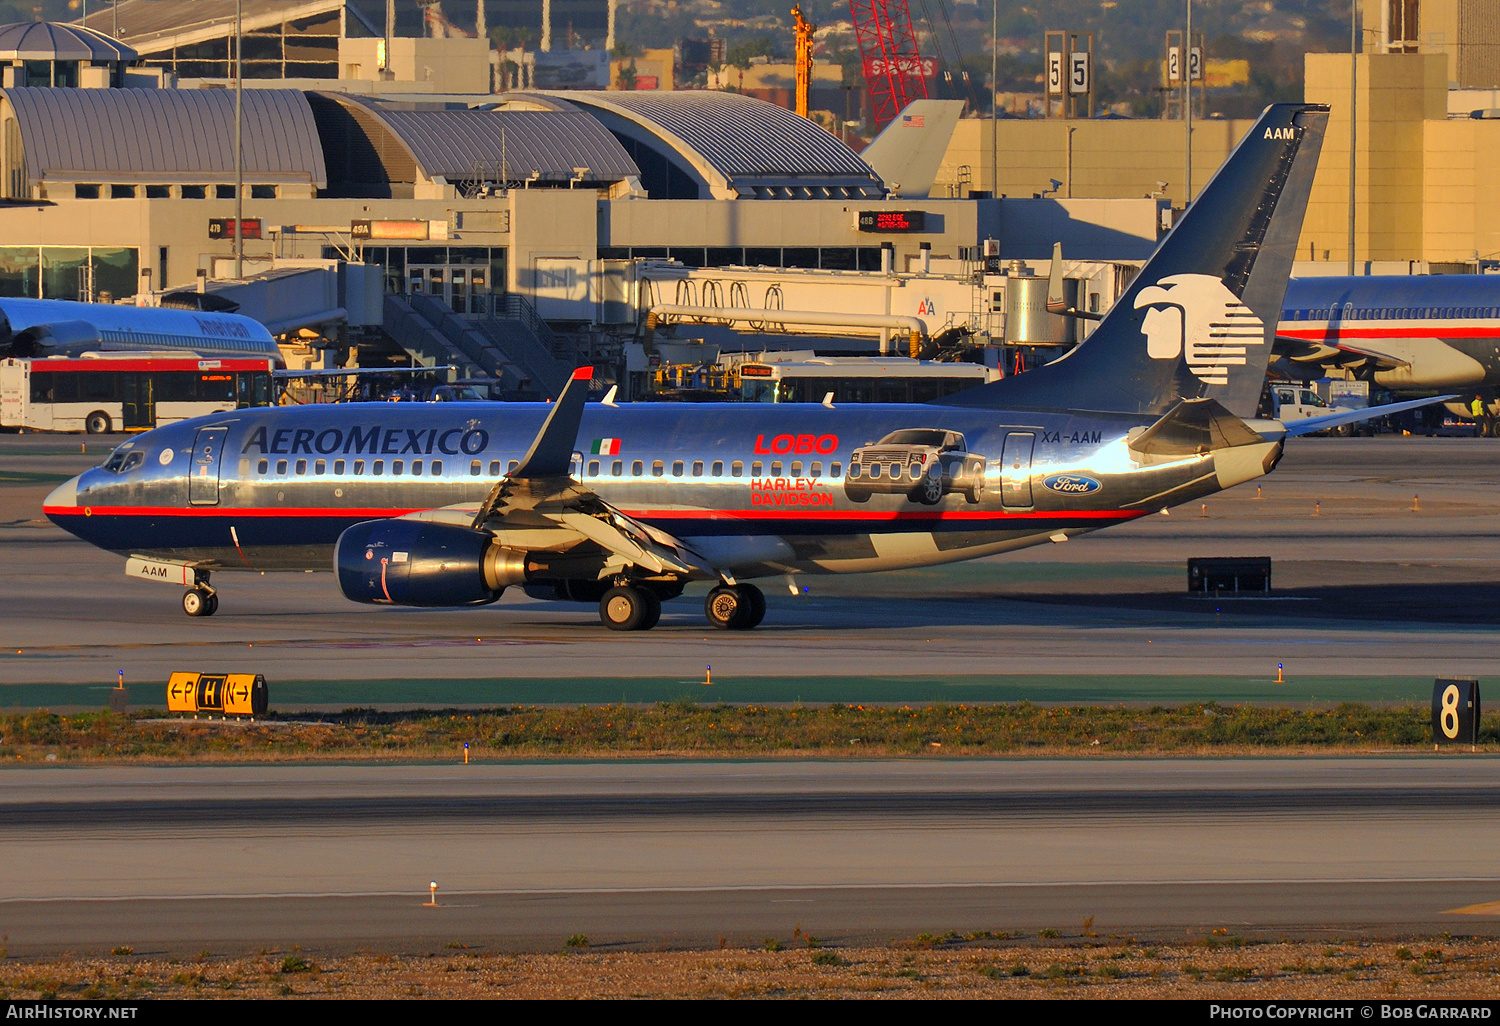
449	504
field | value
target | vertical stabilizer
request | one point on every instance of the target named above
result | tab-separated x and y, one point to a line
908	154
1199	320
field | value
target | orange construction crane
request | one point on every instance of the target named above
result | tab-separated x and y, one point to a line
805	30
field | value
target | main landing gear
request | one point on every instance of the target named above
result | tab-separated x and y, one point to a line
637	607
738	607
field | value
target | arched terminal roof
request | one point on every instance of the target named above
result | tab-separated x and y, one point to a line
52	41
164	135
716	145
461	144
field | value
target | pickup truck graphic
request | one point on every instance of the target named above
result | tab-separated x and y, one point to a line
924	464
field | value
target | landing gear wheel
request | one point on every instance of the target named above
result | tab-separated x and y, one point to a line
930	491
624	608
653	609
199	602
735	609
757	602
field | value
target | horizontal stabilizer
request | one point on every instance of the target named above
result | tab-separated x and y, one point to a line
1333	420
1193	427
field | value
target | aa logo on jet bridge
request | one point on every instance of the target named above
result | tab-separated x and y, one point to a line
1196	315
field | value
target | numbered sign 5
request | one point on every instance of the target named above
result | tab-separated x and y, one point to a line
1054	72
1078	73
1455	712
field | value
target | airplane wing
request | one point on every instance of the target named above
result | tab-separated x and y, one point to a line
541	507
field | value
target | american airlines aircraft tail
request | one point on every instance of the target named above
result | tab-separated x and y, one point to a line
450	504
1207	302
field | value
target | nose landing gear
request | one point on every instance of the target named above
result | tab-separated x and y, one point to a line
200	600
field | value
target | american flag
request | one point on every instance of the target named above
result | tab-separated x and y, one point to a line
913	121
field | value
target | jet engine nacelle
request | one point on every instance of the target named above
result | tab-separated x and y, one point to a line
418	563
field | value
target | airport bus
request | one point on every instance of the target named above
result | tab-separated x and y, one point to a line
103	392
858	379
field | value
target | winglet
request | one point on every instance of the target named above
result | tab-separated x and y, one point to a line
552	452
1055	301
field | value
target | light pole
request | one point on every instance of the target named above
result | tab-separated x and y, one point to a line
239	149
1353	110
994	99
1187	109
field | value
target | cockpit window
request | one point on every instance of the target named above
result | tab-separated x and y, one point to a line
121	461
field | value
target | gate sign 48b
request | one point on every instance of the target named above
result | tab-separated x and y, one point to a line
1455	711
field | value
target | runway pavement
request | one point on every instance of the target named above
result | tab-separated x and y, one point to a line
1386	561
644	853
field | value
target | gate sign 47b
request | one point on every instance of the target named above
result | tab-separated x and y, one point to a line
1455	712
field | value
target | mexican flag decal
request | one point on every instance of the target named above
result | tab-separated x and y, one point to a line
606	447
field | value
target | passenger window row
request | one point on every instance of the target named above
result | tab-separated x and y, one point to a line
377	468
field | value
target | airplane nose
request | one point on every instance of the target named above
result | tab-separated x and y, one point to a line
65	494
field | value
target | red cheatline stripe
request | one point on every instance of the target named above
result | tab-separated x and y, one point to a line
864	516
1416	329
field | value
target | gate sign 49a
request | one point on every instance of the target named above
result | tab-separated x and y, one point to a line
1455	711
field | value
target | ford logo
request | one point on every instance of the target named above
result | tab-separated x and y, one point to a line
1071	484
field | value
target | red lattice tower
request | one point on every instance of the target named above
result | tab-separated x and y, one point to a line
892	65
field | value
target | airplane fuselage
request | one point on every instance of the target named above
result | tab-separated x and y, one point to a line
757	490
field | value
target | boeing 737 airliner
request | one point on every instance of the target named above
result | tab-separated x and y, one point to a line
1403	332
449	504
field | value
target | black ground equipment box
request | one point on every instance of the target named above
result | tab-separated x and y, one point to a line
1240	574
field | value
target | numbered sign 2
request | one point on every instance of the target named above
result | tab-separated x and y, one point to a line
1455	712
